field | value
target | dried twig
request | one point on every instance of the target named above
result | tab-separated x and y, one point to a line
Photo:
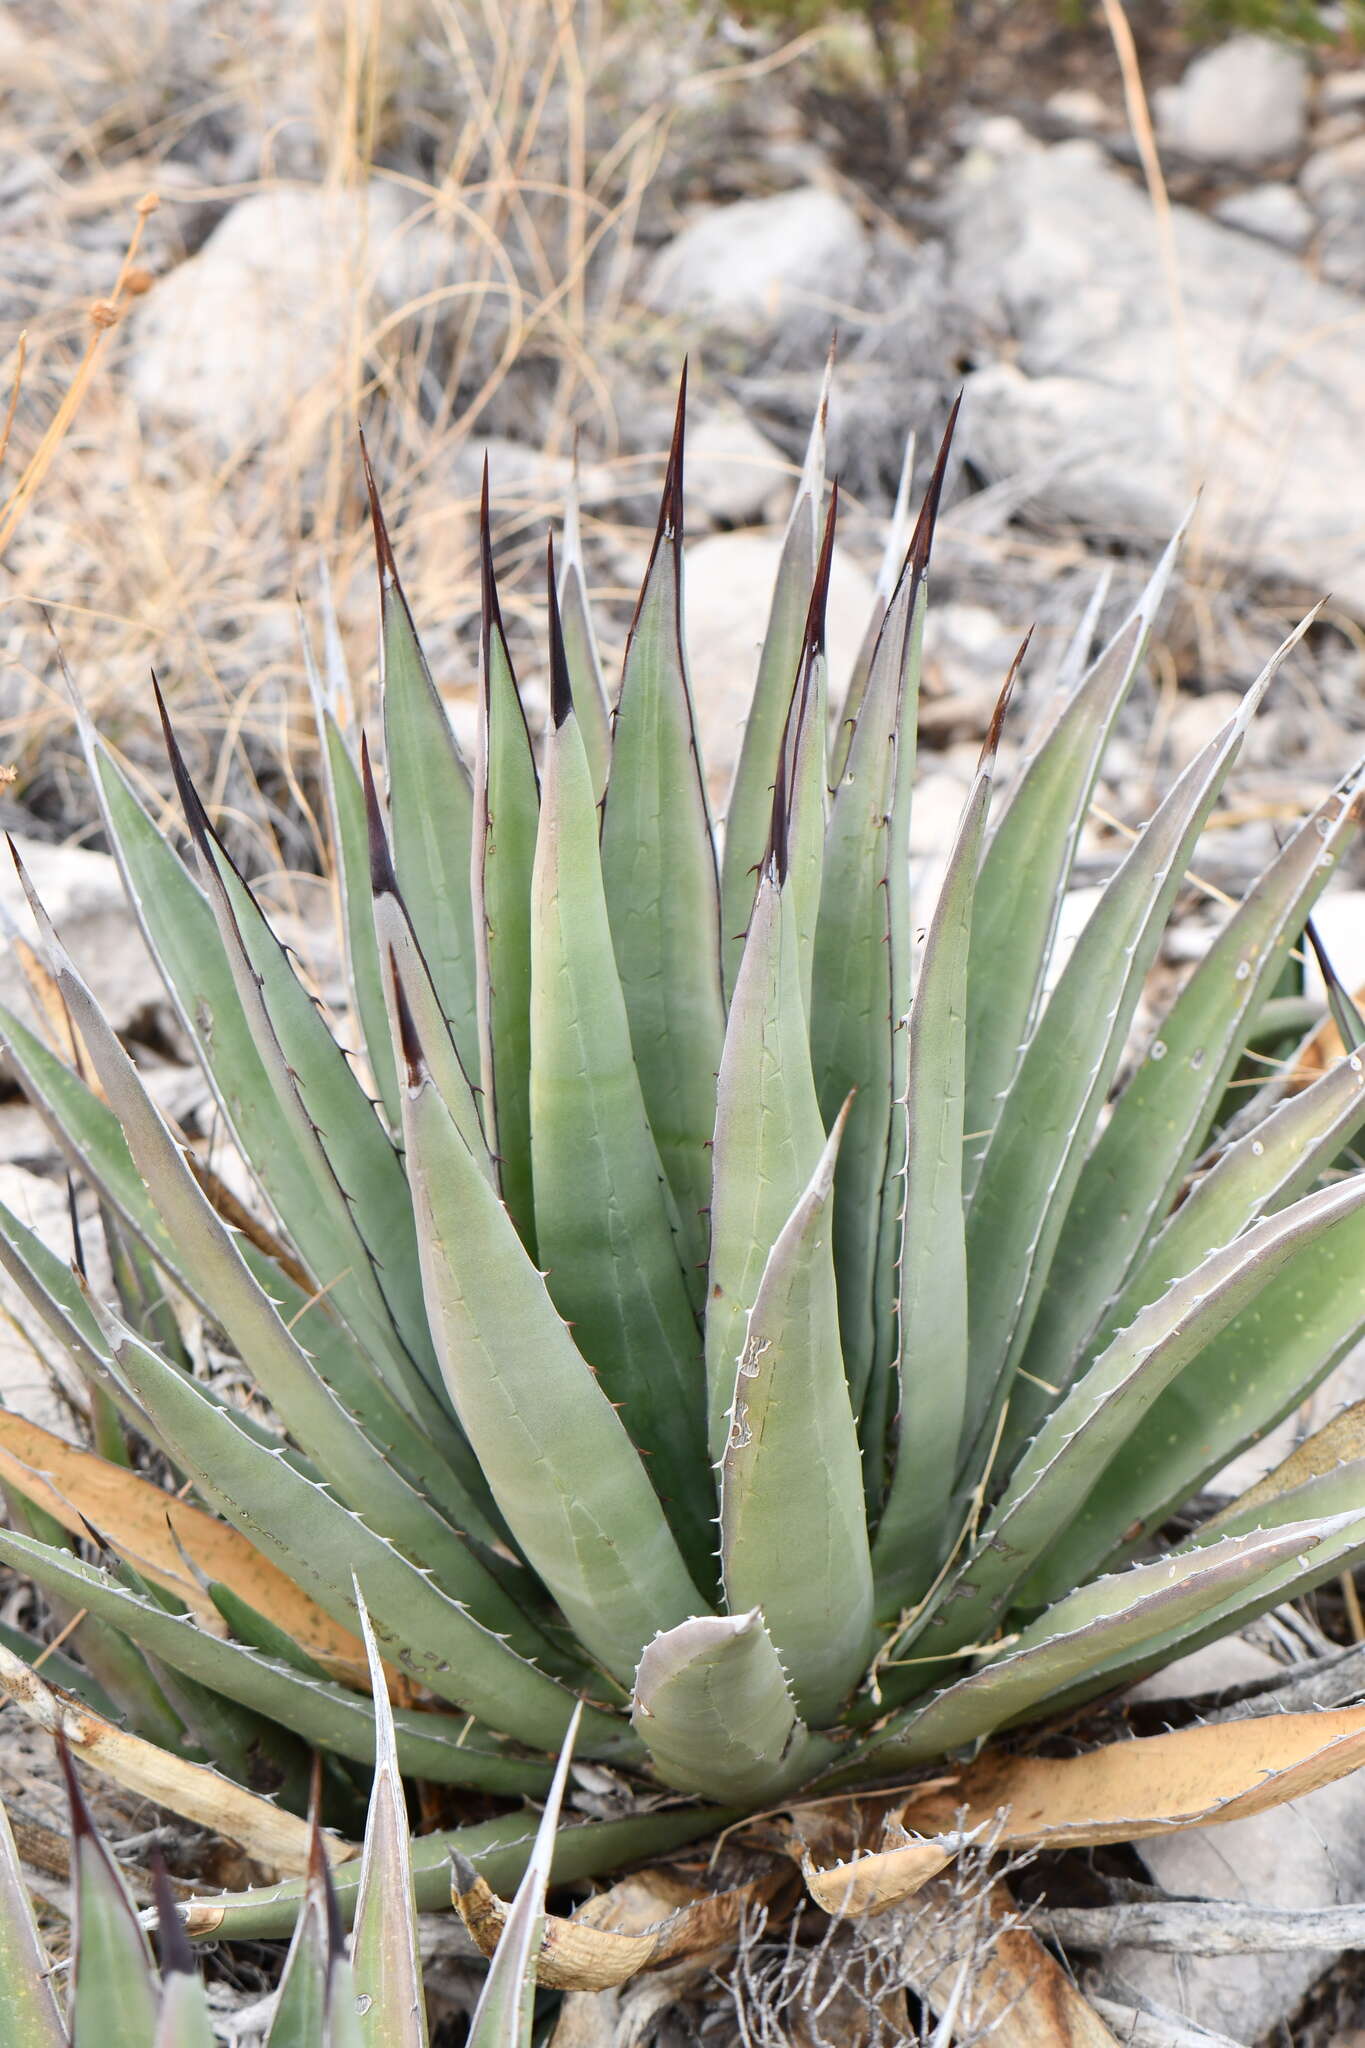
1206	1927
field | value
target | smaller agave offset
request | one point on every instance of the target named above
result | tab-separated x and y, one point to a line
328	1997
691	1291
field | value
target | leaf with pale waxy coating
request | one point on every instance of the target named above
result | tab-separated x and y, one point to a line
402	966
1096	1628
431	800
768	1133
506	2008
601	1207
913	1531
1277	1160
1027	863
803	797
498	1848
1253	1373
506	811
282	1150
333	1121
316	1999
113	1982
1064	1503
888	575
1156	1126
385	1961
749	813
713	1707
580	646
316	1540
555	1453
1331	1527
440	1747
662	888
26	2000
360	1472
346	818
861	983
183	2018
792	1437
1038	1147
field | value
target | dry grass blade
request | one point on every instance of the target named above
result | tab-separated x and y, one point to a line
277	1839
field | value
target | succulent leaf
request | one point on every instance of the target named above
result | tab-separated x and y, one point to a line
792	1434
713	1706
602	1212
506	808
661	880
562	1469
385	1963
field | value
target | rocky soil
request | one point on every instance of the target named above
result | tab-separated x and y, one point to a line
475	237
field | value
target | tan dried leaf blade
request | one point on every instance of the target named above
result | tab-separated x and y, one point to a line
1152	1785
604	1945
277	1839
168	1540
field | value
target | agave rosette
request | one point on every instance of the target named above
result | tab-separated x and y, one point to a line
707	1304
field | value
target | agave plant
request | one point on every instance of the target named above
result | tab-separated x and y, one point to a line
369	1997
714	1297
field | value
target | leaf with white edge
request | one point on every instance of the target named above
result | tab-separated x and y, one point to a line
1331	1532
499	1849
553	1449
602	1218
113	1982
443	1748
1114	1619
888	575
334	1122
1039	1144
385	1961
580	646
346	819
431	801
402	966
792	1437
1028	861
801	769
713	1708
659	873
504	2014
1254	1372
749	814
26	2000
861	981
200	947
506	809
327	1432
183	2018
304	1529
1277	1160
768	1136
914	1528
1071	1499
1155	1128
